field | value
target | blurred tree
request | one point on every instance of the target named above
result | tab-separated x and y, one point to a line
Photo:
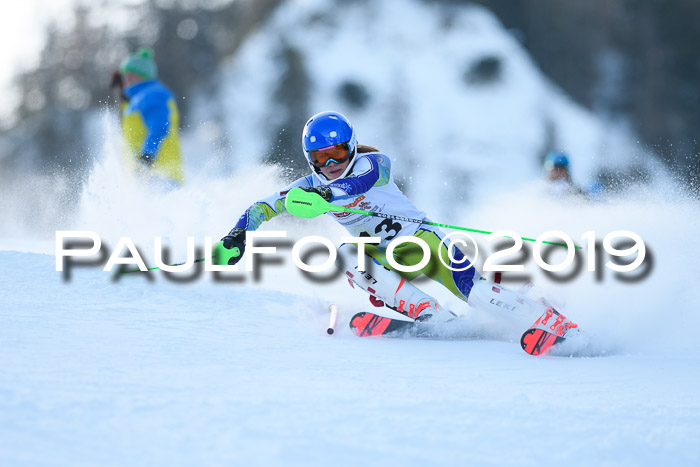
635	60
630	60
62	97
290	113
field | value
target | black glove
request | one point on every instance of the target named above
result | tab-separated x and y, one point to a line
235	239
147	160
116	81
324	192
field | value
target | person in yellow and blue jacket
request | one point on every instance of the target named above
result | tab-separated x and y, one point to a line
149	119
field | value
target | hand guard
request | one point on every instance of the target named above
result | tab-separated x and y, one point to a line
235	239
324	192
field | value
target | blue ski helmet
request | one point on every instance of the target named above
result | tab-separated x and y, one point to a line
326	129
556	159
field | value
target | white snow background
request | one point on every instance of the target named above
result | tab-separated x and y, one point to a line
143	370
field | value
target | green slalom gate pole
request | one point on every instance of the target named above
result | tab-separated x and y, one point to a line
306	204
220	255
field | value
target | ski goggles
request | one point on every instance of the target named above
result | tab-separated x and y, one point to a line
324	156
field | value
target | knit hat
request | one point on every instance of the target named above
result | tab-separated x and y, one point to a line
141	63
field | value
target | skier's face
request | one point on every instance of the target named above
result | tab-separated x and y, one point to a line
558	173
131	78
333	170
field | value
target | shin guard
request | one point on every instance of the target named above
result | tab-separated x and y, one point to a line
389	287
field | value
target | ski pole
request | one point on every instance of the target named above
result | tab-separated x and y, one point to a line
218	252
334	319
305	204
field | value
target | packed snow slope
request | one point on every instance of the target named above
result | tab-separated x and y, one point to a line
158	369
143	370
98	373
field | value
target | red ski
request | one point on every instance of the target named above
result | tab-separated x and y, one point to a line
550	329
368	324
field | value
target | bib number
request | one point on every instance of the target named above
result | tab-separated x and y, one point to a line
388	226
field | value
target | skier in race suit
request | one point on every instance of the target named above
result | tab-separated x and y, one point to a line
358	176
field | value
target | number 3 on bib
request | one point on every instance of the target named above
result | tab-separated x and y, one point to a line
388	226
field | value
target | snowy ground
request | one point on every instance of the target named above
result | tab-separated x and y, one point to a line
146	371
96	372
